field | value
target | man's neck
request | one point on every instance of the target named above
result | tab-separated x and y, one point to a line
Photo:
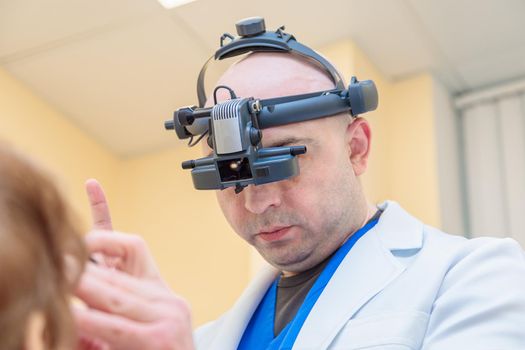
288	273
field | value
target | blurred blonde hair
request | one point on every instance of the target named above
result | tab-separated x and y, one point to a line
37	236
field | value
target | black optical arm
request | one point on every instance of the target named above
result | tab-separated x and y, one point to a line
301	110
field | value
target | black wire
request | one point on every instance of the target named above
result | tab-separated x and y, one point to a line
191	143
232	93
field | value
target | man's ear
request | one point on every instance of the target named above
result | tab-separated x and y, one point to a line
358	138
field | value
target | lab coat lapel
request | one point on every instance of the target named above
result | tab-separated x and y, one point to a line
232	328
367	269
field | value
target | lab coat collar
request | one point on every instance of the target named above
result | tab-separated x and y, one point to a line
236	320
367	269
398	230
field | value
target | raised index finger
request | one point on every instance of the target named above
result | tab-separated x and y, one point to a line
99	206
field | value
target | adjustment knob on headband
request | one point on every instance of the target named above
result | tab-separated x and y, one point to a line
250	26
362	96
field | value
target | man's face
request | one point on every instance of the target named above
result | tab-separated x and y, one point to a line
297	223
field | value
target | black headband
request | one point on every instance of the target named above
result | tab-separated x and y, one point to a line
253	37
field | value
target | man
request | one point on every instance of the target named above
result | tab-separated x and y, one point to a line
346	274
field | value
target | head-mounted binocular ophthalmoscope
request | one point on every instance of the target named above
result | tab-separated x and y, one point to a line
234	126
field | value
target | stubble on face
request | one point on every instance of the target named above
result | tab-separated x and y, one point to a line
322	207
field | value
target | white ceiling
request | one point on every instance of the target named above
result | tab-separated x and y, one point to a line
118	68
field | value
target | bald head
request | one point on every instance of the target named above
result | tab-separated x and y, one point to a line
266	75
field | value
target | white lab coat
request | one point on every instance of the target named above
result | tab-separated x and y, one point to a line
404	285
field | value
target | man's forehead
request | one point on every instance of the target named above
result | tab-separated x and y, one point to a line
295	133
287	140
267	75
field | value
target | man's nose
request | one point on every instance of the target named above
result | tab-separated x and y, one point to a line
258	199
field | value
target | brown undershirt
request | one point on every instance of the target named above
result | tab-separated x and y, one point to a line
291	291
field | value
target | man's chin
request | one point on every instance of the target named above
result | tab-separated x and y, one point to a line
288	262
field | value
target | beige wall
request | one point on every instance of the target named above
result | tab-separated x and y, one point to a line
36	128
412	151
197	252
